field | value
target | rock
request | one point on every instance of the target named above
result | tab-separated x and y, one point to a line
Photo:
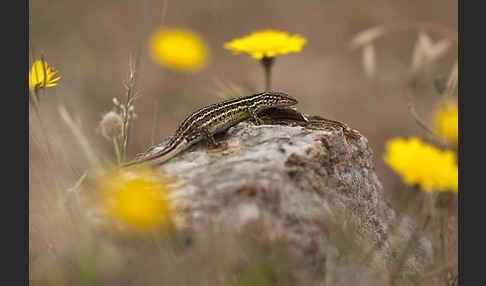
293	176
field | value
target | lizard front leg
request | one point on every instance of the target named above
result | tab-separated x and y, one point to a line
209	137
255	117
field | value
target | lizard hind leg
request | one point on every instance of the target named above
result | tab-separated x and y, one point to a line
209	138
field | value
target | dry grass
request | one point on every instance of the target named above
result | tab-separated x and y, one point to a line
69	246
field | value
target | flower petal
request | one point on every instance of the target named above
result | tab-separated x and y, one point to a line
267	43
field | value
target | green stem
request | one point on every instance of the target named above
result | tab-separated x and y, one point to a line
267	63
34	96
137	69
117	150
123	143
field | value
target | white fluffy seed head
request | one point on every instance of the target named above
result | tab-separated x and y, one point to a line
111	125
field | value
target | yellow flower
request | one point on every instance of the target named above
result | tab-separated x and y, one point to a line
179	49
447	122
40	74
267	43
422	164
136	199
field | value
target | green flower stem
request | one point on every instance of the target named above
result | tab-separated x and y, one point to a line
267	63
123	140
117	150
34	98
143	28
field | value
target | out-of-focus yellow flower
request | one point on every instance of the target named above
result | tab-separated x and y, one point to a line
447	122
422	164
179	49
267	43
137	199
40	74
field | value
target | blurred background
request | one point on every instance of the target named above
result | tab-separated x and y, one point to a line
91	44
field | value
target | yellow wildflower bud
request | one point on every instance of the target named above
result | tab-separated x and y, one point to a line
136	199
42	76
447	122
422	164
178	49
267	43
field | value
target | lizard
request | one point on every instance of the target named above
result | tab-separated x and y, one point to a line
204	123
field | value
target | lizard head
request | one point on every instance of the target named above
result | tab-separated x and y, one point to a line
278	99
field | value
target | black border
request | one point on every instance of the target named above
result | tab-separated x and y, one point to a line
21	157
14	212
25	136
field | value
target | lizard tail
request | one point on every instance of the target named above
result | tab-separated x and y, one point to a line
161	156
